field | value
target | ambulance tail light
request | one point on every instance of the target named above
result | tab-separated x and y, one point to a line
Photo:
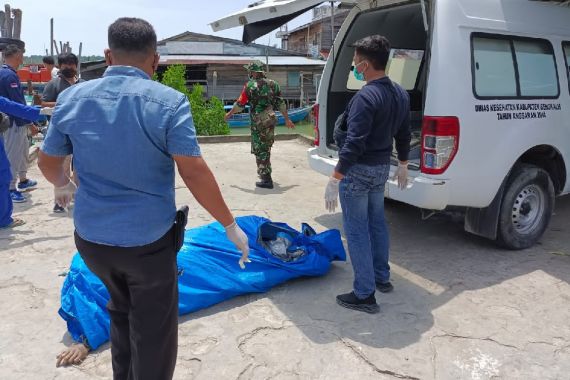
316	116
440	143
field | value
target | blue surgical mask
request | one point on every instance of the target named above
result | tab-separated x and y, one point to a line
358	75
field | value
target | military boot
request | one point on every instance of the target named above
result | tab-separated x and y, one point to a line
265	183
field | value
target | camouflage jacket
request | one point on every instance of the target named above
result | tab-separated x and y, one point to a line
262	95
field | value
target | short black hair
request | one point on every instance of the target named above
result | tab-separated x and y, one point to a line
375	49
132	35
67	59
11	50
48	60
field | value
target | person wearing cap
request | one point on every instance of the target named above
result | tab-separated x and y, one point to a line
16	137
264	97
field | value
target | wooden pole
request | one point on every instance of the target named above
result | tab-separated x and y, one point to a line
79	58
308	38
2	23
55	45
8	21
51	36
17	23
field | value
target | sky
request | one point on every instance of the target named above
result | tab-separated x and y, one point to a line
87	20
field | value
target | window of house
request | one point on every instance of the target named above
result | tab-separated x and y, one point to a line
293	79
317	80
511	67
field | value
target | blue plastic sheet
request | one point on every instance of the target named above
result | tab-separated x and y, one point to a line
209	272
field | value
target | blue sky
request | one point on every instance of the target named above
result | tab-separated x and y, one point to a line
87	20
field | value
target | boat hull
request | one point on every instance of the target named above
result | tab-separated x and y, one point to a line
295	114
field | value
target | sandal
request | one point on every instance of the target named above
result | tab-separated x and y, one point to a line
15	223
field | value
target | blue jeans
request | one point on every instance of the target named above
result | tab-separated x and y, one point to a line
5	205
5	178
362	200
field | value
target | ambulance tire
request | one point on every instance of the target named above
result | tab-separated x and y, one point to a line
526	209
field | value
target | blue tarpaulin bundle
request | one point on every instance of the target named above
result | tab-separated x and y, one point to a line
208	271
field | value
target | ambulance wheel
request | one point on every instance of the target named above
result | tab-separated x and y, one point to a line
528	203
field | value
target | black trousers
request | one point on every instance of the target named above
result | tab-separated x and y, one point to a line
143	285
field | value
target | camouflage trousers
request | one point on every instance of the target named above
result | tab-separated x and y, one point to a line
262	138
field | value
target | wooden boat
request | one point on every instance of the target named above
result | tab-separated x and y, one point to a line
242	119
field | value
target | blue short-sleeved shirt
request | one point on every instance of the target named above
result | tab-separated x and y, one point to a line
123	130
13	109
11	88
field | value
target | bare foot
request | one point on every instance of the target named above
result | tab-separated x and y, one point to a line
74	354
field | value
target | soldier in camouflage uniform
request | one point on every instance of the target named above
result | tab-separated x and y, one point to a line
264	97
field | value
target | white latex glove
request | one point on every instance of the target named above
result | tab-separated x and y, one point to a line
331	194
401	175
64	195
239	238
46	111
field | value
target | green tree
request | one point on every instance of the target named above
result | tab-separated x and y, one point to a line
208	115
175	77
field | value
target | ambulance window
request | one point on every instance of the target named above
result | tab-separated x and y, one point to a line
537	68
493	67
566	47
403	68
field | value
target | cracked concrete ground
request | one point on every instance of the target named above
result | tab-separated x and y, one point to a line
462	308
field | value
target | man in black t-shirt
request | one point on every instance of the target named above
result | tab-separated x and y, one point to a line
66	78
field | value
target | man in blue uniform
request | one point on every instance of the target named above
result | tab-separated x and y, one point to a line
16	137
10	109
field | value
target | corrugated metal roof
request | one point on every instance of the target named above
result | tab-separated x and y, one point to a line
236	60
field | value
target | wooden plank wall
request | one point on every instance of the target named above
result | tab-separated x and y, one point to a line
231	79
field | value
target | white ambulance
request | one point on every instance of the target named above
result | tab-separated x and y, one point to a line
489	82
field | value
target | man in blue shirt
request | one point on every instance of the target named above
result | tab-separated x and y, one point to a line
126	132
376	116
10	109
16	137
